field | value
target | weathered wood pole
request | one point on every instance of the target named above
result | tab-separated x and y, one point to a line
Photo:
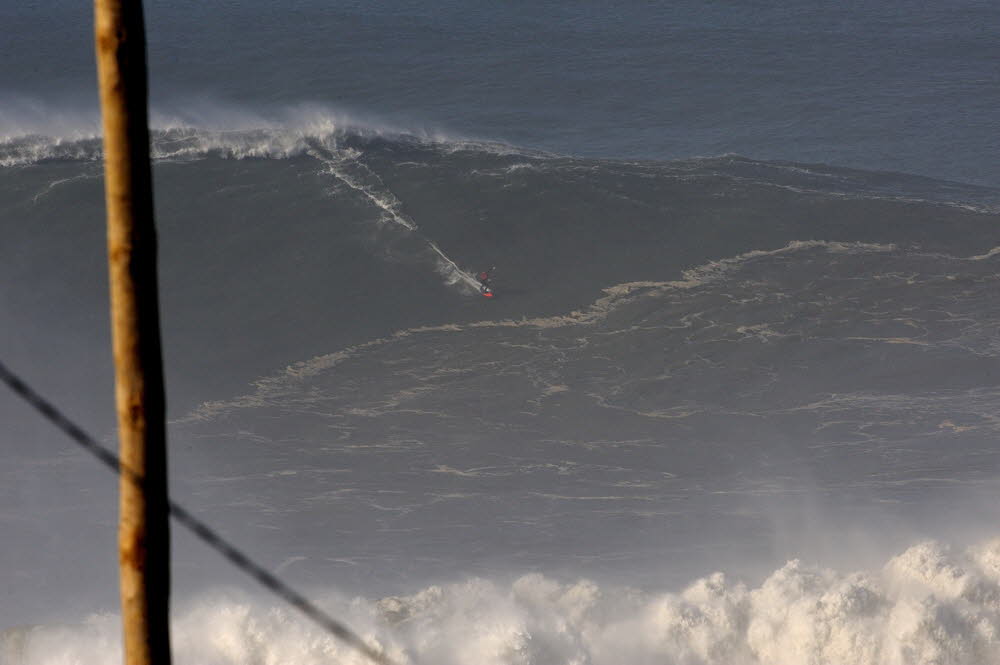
143	528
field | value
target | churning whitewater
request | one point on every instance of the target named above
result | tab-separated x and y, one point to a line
930	605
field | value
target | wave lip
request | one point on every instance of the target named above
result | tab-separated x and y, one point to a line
36	149
175	143
190	142
32	133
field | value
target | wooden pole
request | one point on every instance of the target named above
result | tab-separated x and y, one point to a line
143	529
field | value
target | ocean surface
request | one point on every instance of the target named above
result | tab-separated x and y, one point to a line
736	401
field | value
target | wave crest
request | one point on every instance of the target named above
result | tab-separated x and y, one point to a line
33	133
177	143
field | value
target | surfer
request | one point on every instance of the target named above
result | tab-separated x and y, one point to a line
485	281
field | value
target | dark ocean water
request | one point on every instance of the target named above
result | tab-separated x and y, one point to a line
888	85
745	322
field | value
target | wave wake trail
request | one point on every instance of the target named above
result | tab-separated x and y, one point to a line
930	605
453	275
346	166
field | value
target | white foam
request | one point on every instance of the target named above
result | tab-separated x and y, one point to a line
983	257
930	605
270	391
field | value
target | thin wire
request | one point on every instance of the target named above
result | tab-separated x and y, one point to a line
201	530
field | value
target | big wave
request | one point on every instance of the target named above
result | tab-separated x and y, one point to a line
33	134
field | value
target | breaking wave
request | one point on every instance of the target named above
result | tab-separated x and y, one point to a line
178	143
930	605
31	133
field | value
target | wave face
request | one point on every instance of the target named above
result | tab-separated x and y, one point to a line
927	606
714	364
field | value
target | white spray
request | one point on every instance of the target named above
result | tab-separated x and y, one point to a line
930	605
